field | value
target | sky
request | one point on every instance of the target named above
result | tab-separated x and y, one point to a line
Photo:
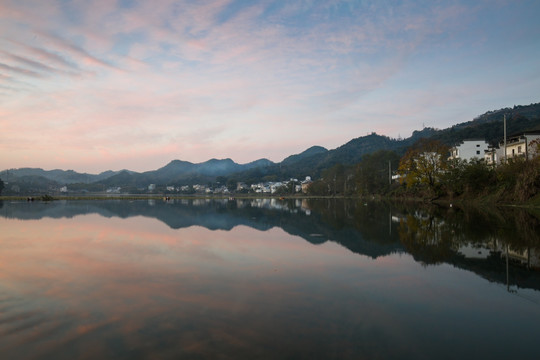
96	85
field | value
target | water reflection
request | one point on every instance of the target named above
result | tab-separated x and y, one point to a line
265	279
486	242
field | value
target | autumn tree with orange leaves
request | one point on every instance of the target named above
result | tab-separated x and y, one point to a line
424	164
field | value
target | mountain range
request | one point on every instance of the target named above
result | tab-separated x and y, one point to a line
310	162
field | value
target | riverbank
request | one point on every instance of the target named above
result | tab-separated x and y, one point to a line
153	197
479	201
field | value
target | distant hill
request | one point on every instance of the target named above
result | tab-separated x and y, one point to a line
183	172
60	176
312	151
520	111
310	162
489	126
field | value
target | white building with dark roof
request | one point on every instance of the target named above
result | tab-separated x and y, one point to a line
523	145
469	149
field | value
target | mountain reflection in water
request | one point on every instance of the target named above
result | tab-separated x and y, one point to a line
233	279
478	241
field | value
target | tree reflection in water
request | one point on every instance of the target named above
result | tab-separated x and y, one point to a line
81	284
477	239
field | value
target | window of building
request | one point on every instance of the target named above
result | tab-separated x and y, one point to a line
478	152
519	149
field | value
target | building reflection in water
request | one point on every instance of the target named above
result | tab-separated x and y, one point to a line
493	243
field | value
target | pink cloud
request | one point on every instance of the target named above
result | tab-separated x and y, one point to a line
191	84
79	53
20	71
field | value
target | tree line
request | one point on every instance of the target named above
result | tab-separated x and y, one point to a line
426	171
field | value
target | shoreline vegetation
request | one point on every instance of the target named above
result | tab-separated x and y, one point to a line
426	174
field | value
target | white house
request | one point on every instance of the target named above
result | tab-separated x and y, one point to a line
524	145
305	184
469	150
493	155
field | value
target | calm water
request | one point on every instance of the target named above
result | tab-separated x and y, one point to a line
264	279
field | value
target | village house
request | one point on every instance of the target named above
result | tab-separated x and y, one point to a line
523	145
305	184
275	186
241	186
199	188
470	149
221	190
493	155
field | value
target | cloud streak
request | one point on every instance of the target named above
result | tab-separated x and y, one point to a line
227	78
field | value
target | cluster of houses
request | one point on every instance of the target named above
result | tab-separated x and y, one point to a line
525	145
270	187
273	187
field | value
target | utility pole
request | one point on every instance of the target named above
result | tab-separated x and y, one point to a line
505	156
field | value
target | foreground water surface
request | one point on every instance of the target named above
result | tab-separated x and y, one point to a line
266	279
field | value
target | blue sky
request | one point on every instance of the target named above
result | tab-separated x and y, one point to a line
101	84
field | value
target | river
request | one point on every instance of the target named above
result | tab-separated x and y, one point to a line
266	279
